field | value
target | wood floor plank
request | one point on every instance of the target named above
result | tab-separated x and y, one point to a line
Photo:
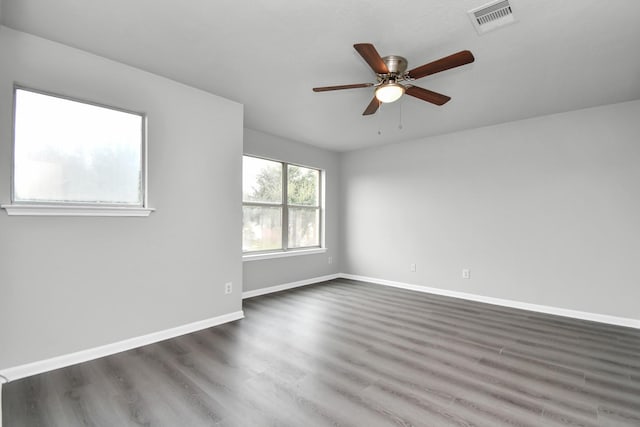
541	340
346	353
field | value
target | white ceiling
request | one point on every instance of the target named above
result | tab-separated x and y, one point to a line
267	54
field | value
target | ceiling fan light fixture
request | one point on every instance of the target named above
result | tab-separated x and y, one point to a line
389	92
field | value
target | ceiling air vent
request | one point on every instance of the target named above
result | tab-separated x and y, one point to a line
491	16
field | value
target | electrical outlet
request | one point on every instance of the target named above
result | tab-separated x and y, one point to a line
466	273
228	287
330	260
412	267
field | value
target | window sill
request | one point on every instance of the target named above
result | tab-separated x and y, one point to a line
283	254
57	210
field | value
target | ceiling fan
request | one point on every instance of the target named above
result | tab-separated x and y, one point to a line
393	78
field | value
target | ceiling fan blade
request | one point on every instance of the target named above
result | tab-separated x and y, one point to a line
446	63
353	86
372	107
427	95
371	55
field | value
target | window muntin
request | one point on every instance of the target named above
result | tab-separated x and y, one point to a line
69	152
266	186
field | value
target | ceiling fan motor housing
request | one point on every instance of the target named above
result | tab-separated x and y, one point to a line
396	64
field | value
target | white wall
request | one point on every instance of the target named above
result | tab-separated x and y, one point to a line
544	211
271	272
68	284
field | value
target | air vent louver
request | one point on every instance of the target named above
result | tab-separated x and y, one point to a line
491	16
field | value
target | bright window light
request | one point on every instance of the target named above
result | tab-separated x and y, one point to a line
71	152
279	217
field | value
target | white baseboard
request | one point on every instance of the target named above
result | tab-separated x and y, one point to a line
565	312
278	288
575	314
22	371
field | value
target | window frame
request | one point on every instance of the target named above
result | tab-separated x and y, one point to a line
72	208
284	206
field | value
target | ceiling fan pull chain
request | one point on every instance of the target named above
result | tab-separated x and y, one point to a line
379	126
400	119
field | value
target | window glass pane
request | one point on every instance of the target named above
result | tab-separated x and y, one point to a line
303	186
69	151
261	180
261	228
304	227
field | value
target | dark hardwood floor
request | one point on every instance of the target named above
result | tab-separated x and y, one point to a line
344	353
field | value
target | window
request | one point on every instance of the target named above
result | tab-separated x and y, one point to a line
73	154
276	193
